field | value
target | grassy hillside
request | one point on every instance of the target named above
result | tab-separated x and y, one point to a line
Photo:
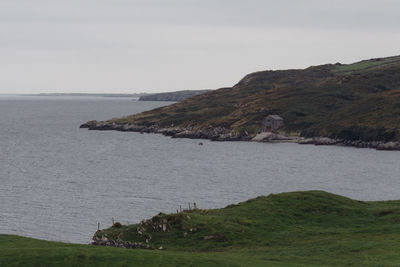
356	101
311	228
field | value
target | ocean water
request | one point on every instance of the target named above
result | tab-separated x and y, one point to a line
58	181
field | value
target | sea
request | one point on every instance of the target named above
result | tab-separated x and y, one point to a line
58	182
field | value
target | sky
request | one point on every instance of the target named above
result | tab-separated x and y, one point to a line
132	46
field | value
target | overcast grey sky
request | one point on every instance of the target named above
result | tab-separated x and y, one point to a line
127	46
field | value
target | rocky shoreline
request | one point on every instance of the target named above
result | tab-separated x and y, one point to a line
104	241
214	134
224	134
378	145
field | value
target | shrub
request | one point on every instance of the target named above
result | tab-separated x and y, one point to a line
117	225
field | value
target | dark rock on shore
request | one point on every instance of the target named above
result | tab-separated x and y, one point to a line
104	241
319	141
89	124
378	145
388	146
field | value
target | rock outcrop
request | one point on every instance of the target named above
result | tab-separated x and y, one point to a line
388	146
319	141
104	241
274	137
378	145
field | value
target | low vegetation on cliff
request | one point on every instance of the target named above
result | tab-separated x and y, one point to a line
311	228
359	101
172	96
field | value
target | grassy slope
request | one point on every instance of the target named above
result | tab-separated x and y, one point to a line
311	228
21	251
356	101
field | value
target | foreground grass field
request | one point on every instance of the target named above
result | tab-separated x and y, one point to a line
311	228
21	251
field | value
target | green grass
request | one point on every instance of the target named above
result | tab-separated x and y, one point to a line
366	64
21	251
312	228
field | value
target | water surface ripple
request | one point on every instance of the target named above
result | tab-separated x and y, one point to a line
57	181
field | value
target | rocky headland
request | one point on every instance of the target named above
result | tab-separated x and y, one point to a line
333	104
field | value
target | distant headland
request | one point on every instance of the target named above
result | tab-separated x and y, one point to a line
89	94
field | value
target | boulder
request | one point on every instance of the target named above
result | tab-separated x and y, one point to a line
389	146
